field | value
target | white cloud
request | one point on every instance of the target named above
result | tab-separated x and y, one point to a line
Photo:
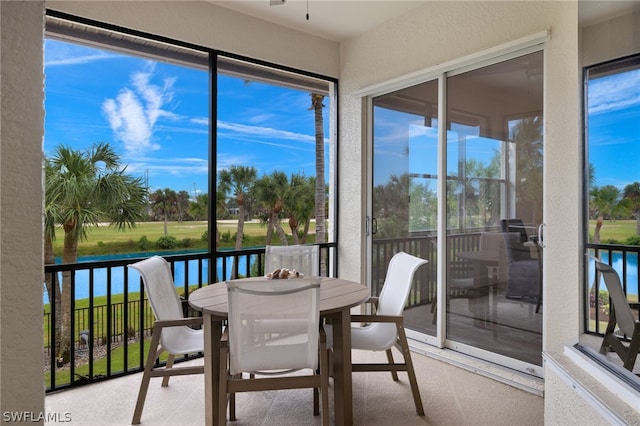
134	113
261	118
265	132
204	121
615	92
177	166
61	54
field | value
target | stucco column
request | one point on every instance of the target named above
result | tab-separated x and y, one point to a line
21	198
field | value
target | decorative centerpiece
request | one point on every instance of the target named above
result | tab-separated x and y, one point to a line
284	273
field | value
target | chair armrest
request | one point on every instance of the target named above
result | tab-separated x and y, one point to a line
373	301
224	339
377	318
179	322
634	305
322	334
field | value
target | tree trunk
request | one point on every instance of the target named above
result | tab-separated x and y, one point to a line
596	232
69	255
278	228
270	226
165	224
316	102
239	234
305	231
53	294
240	227
293	225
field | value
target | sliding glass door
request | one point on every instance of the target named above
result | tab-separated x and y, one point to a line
488	298
404	201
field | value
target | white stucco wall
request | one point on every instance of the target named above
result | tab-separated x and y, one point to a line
21	277
611	39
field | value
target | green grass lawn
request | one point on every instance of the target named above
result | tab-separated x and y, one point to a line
189	235
614	230
63	376
108	240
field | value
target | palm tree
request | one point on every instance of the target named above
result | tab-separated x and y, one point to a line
527	135
182	205
317	105
272	192
299	204
238	180
163	203
631	195
199	207
82	189
606	202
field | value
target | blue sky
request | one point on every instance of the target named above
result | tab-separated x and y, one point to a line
614	128
156	116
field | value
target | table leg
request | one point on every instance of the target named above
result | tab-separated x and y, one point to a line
212	330
343	397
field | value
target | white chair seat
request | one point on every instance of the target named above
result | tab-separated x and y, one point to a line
302	258
371	337
172	332
385	328
253	341
183	340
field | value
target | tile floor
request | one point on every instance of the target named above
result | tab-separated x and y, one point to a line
451	396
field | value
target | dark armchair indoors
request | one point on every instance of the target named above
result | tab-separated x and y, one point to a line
524	276
523	270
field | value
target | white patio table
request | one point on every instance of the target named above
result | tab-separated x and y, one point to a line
337	296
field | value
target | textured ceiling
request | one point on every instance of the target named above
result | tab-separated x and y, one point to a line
339	20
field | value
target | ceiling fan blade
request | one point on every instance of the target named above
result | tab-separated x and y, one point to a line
276	2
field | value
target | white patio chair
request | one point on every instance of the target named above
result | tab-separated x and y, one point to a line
171	333
252	345
621	315
384	329
302	258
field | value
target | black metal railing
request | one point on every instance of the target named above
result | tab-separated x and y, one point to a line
112	318
424	286
109	326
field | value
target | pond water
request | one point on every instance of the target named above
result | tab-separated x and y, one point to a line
117	275
618	265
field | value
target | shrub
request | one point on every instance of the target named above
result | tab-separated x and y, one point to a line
633	241
187	242
244	237
225	237
167	242
205	236
144	243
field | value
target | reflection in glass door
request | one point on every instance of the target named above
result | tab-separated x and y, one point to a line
494	206
493	152
404	198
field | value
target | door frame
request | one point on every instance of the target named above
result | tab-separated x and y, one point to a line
533	43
